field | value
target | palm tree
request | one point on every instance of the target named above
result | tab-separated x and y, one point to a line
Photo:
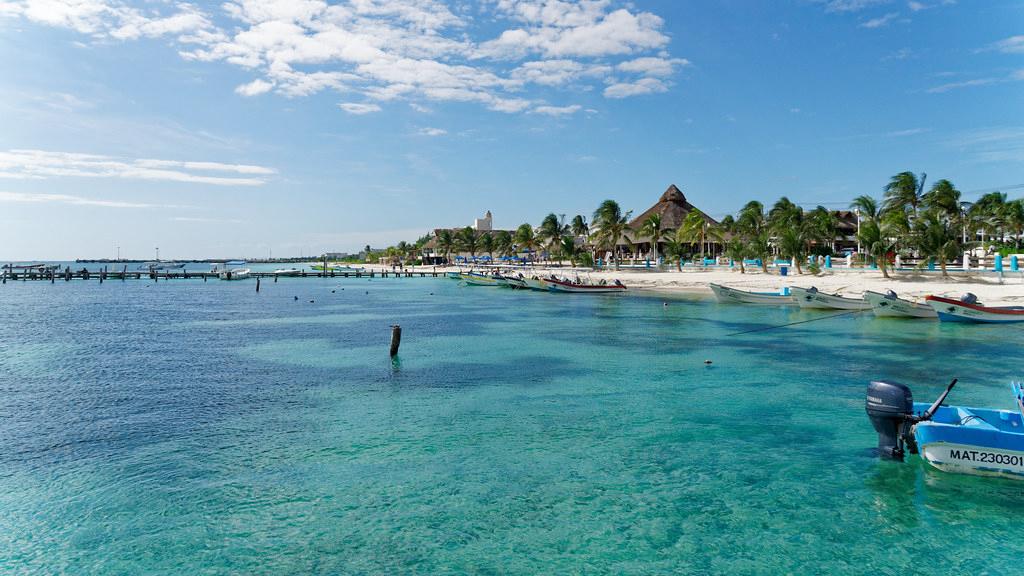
568	248
693	230
503	243
1015	219
611	225
487	244
467	240
737	250
675	251
550	233
402	250
651	228
903	193
752	224
793	243
792	230
445	243
937	238
990	212
826	226
579	226
525	238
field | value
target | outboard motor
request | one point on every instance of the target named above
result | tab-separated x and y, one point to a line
969	298
891	295
890	406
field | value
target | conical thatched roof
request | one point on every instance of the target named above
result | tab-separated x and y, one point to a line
672	207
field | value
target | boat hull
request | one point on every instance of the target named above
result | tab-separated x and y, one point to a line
559	286
536	284
884	306
807	299
977	441
238	274
727	295
980	461
950	310
517	283
479	280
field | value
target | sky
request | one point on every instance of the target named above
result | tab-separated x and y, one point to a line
255	128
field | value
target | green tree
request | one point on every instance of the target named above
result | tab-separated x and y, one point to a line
652	230
738	250
675	251
937	238
503	243
611	225
903	193
550	234
877	230
752	224
487	244
525	238
693	230
467	240
568	248
579	226
445	243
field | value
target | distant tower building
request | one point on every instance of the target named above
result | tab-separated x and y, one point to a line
483	224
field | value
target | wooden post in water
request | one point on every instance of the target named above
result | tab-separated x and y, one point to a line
257	284
124	273
396	339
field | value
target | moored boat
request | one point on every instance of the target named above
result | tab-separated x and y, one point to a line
453	275
968	309
982	441
727	295
891	305
513	282
477	279
335	268
812	298
578	287
287	272
536	283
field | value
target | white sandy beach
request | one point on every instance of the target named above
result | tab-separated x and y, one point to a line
848	282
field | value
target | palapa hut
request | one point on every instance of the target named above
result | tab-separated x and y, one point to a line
673	209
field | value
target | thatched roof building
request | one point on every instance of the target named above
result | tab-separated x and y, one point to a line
673	208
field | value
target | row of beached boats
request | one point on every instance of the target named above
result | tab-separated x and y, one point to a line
965	309
550	283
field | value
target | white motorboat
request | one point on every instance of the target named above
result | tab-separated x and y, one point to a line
968	309
892	306
536	283
287	272
812	298
477	279
727	295
231	270
579	287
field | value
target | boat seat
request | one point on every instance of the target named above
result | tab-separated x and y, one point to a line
968	418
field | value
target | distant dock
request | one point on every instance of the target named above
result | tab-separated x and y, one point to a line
68	275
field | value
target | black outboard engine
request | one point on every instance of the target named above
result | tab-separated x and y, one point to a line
969	298
890	406
891	295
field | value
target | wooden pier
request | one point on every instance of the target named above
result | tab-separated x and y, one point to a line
68	275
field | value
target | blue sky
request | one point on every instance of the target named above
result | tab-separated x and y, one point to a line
246	128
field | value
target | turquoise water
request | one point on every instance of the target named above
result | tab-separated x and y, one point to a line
200	428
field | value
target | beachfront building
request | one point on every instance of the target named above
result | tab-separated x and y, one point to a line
673	208
432	253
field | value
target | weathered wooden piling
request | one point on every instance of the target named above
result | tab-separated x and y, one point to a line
257	285
396	339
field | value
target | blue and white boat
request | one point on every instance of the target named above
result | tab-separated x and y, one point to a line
982	441
727	295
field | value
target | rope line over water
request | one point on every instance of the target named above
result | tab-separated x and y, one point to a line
795	323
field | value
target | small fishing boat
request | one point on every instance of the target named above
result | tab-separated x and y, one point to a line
454	275
812	298
159	266
727	295
536	283
982	441
477	279
968	309
335	268
232	270
516	282
287	272
578	287
892	306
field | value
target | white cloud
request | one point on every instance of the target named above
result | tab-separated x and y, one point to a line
652	66
880	21
907	132
41	164
557	110
1011	45
431	132
916	6
254	88
386	50
964	84
640	87
358	108
35	198
850	5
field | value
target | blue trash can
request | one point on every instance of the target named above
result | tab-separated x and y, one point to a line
783	270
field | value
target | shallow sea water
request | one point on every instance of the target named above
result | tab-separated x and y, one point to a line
200	428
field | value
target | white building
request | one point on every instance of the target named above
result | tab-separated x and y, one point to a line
483	224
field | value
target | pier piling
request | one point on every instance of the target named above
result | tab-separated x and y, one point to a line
396	339
257	285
